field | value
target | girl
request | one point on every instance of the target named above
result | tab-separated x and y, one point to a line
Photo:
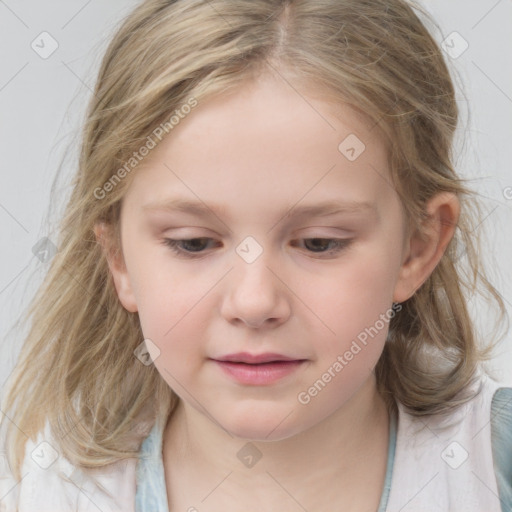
259	299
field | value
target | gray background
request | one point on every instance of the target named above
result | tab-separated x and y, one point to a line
43	100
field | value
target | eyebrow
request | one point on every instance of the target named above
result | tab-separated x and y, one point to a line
322	209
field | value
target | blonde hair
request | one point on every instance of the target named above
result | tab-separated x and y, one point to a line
77	368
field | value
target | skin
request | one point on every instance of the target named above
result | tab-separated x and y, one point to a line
257	152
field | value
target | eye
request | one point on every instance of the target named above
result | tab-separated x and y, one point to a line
194	247
175	246
337	244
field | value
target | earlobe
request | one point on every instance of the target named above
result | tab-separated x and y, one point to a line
426	248
117	266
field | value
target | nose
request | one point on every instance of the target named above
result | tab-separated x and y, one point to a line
257	295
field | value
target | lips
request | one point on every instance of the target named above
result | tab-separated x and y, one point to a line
258	369
246	357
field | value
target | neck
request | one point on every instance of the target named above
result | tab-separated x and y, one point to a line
347	447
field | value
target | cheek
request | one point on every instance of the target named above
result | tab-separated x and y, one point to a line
172	315
355	307
162	291
177	336
355	294
166	311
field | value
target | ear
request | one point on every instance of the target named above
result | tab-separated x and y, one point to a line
116	264
425	249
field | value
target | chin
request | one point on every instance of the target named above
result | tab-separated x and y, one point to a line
262	425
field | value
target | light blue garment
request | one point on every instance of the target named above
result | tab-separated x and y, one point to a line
501	435
151	494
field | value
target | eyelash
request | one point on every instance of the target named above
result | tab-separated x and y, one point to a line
173	244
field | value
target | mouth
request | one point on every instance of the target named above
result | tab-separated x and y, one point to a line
267	357
259	373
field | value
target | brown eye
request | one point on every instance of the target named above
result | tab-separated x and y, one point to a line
190	247
317	244
321	245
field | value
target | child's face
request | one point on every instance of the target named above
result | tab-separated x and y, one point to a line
257	154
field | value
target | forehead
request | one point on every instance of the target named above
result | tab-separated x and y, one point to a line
269	142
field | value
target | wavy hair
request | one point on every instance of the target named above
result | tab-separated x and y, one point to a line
375	55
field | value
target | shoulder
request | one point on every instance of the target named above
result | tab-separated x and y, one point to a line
502	396
501	413
49	482
501	435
